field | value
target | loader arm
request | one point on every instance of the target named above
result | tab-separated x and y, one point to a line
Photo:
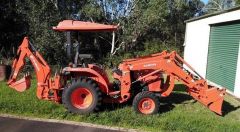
153	66
42	70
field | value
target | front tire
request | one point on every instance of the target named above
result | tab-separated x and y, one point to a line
82	97
146	103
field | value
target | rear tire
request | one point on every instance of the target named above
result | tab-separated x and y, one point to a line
146	103
82	97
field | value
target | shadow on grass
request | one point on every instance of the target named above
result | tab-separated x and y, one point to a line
178	96
113	106
167	103
228	107
179	88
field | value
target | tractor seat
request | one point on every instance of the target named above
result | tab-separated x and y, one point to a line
85	59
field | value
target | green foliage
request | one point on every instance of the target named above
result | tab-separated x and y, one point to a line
12	28
146	17
41	16
179	112
219	5
154	26
92	12
143	22
157	46
149	47
157	20
238	2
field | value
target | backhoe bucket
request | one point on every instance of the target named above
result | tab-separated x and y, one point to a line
211	98
22	84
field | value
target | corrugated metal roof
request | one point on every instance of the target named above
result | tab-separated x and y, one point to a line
212	14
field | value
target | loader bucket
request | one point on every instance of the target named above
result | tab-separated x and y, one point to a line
211	98
22	84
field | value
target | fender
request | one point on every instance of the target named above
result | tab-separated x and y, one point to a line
94	72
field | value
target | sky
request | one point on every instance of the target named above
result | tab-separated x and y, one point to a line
205	1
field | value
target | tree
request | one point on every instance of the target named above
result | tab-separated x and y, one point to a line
41	16
219	5
158	19
12	28
109	12
143	23
237	2
179	11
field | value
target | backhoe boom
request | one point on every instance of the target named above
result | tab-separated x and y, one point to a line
41	68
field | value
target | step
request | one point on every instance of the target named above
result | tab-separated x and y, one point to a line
114	93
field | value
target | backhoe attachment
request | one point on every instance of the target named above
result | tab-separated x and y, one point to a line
45	85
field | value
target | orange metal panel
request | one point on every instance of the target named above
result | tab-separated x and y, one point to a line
67	25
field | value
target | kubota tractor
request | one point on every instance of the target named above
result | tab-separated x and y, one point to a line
82	88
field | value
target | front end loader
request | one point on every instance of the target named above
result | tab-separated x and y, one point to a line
83	88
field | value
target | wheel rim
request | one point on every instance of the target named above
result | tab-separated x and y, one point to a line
81	98
146	106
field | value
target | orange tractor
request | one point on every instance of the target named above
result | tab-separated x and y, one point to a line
82	88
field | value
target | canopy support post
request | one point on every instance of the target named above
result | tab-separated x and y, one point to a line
113	42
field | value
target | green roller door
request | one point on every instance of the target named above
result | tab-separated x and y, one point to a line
223	54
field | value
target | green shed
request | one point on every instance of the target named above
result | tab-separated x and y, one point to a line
212	47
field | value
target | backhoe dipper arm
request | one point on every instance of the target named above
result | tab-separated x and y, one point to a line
26	50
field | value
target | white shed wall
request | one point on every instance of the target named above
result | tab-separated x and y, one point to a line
197	41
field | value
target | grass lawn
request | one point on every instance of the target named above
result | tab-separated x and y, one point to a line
179	112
